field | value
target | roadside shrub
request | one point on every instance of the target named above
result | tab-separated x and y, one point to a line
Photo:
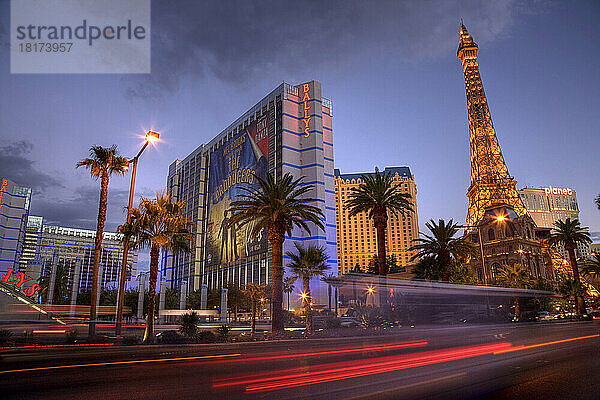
5	336
131	340
376	317
223	333
205	337
169	337
245	337
189	324
71	335
27	338
332	322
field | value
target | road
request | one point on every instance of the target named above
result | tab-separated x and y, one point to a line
528	361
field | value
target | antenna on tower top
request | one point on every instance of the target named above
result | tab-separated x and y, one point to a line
461	22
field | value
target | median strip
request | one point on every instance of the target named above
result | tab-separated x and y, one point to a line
120	363
532	346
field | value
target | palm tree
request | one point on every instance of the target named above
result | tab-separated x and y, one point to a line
255	292
376	195
336	282
307	263
158	224
288	287
515	276
391	262
102	163
569	233
571	288
442	245
277	206
426	269
328	280
591	267
61	285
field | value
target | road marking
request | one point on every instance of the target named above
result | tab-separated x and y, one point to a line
383	392
120	363
531	346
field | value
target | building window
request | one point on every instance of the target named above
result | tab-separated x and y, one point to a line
491	234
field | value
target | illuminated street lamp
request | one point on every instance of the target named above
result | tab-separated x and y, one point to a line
500	218
151	137
497	218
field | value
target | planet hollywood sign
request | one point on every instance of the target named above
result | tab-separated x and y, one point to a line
18	280
553	190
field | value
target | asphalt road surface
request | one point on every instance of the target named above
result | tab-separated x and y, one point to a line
529	361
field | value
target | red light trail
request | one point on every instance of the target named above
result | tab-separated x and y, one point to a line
356	368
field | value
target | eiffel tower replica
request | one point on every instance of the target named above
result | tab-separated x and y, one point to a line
491	183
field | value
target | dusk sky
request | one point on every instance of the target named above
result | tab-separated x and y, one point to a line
390	69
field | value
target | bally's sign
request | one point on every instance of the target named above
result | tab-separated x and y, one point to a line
18	280
553	190
306	107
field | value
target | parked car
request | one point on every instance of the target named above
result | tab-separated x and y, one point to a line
545	316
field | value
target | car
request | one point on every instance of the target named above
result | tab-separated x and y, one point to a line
545	316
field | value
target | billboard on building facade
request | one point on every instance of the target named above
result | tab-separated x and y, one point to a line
233	166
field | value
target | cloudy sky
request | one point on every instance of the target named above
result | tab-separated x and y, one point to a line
389	67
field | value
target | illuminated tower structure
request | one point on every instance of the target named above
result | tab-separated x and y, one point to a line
491	183
496	214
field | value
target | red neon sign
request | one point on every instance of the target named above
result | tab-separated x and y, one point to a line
19	280
305	100
2	191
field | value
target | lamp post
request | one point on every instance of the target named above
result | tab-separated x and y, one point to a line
499	218
151	137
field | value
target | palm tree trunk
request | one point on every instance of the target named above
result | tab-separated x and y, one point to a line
579	302
149	333
336	302
445	263
276	238
307	307
329	295
98	253
380	225
517	309
253	323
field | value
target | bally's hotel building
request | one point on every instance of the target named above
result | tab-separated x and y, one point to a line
288	131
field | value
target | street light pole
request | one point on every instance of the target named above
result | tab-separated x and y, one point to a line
478	227
151	137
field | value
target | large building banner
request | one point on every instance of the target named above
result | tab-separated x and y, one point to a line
233	166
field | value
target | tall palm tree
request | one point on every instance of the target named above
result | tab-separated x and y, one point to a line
377	195
158	224
288	287
328	279
307	263
336	282
443	245
102	163
61	285
569	233
515	276
255	292
277	206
